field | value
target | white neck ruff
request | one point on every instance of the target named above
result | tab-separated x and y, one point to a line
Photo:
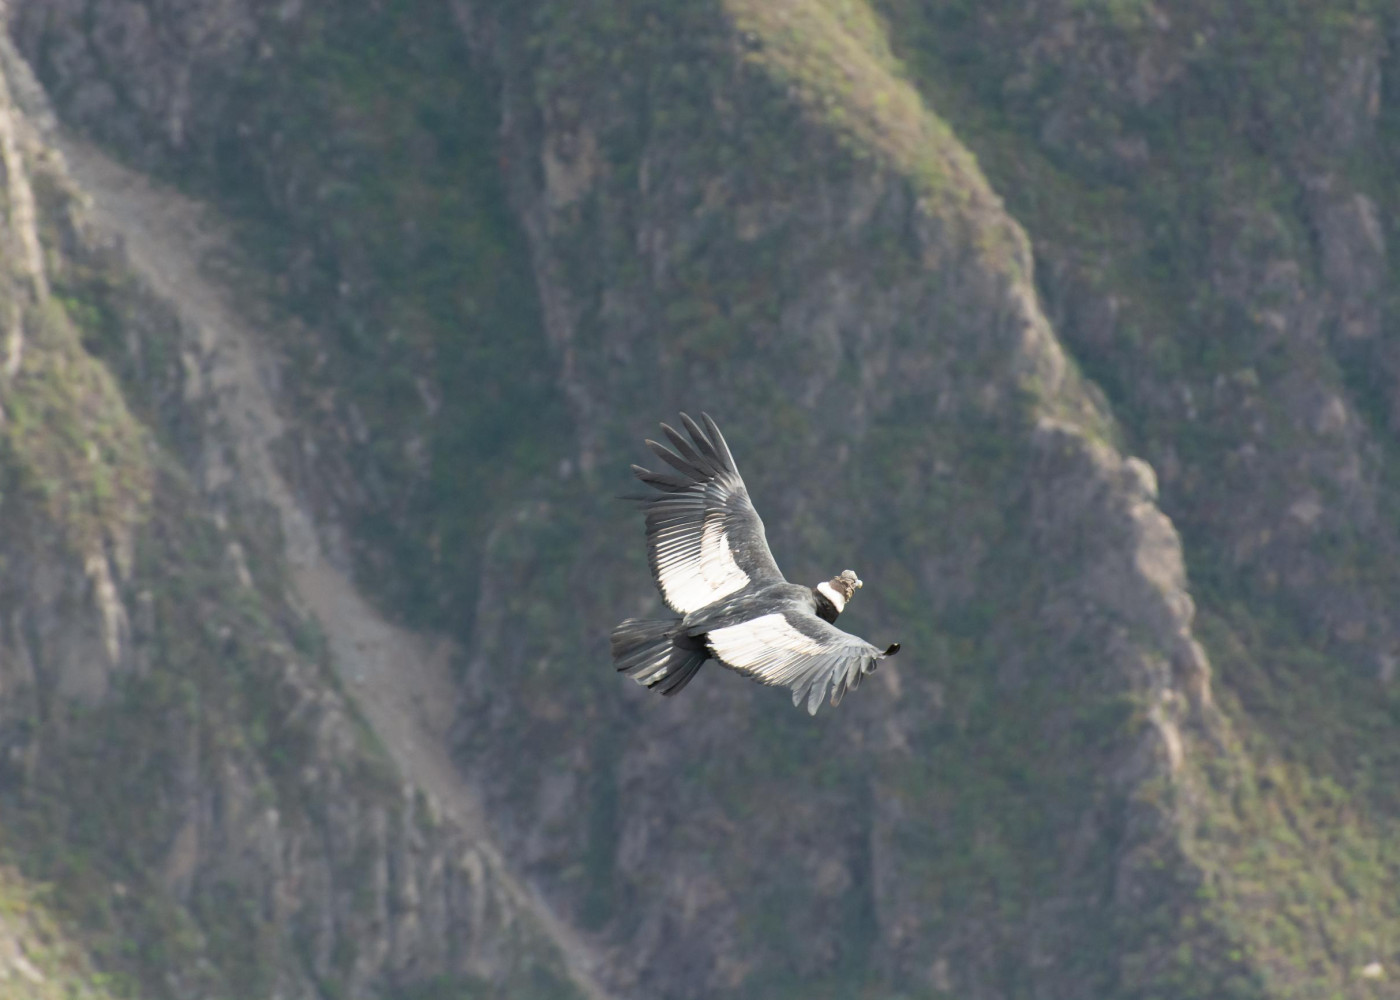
833	595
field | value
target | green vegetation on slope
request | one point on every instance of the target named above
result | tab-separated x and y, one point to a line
66	436
1293	838
38	958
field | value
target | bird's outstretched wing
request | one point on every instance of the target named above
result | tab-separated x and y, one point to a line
798	650
704	539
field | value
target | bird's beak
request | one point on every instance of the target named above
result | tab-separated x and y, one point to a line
859	583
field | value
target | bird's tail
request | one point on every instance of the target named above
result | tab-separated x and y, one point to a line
655	652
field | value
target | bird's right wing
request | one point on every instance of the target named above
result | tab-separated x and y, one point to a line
704	539
795	649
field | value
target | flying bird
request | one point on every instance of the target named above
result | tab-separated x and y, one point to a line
710	558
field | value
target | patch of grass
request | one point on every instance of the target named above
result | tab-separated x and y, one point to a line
66	436
40	960
834	57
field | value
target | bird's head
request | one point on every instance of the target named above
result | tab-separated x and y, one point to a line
839	589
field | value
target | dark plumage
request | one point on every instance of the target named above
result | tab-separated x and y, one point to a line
710	558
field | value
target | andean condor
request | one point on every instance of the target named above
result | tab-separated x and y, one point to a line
707	550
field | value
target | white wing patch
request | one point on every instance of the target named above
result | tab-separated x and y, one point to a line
772	649
695	573
767	647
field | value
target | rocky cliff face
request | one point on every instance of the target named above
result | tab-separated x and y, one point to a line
212	812
1111	452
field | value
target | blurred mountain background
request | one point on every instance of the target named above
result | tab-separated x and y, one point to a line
328	333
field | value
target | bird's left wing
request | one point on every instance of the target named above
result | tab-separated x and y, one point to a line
795	649
704	539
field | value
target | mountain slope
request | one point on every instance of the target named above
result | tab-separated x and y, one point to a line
182	767
499	241
1217	258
